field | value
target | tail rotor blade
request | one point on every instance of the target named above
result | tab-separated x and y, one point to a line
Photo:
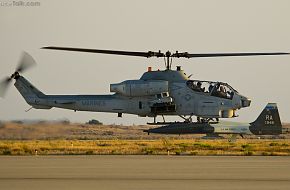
4	84
25	62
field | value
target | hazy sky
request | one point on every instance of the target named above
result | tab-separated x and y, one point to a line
194	26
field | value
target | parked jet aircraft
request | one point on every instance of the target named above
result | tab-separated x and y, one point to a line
268	123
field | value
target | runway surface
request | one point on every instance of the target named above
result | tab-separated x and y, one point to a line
143	172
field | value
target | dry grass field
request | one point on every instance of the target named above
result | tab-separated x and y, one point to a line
163	146
49	131
82	139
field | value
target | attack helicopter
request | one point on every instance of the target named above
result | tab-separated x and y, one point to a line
156	93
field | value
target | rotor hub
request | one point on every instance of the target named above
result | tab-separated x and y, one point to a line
15	75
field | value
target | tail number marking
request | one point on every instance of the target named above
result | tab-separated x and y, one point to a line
269	120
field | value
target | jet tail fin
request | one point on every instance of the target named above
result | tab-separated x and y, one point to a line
268	122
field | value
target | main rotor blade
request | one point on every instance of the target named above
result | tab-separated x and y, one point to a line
4	84
196	55
25	62
128	53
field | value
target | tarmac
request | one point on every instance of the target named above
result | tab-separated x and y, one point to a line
144	172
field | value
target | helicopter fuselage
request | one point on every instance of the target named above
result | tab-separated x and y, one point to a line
165	92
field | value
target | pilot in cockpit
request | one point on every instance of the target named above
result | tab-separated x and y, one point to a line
222	92
199	88
210	88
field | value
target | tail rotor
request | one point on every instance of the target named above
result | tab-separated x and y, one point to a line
26	62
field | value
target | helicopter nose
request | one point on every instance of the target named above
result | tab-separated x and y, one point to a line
246	102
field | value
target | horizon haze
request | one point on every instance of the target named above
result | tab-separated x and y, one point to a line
199	26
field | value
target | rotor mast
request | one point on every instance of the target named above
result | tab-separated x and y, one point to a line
168	60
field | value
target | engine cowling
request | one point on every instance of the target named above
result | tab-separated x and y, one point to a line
139	87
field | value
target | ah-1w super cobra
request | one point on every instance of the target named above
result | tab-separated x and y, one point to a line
161	92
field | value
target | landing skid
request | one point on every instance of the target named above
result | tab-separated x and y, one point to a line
166	123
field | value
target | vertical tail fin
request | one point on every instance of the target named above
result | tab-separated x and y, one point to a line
268	122
28	91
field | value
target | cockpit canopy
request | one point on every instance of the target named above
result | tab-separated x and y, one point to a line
218	89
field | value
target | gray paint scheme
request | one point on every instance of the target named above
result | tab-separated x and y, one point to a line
268	123
186	101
